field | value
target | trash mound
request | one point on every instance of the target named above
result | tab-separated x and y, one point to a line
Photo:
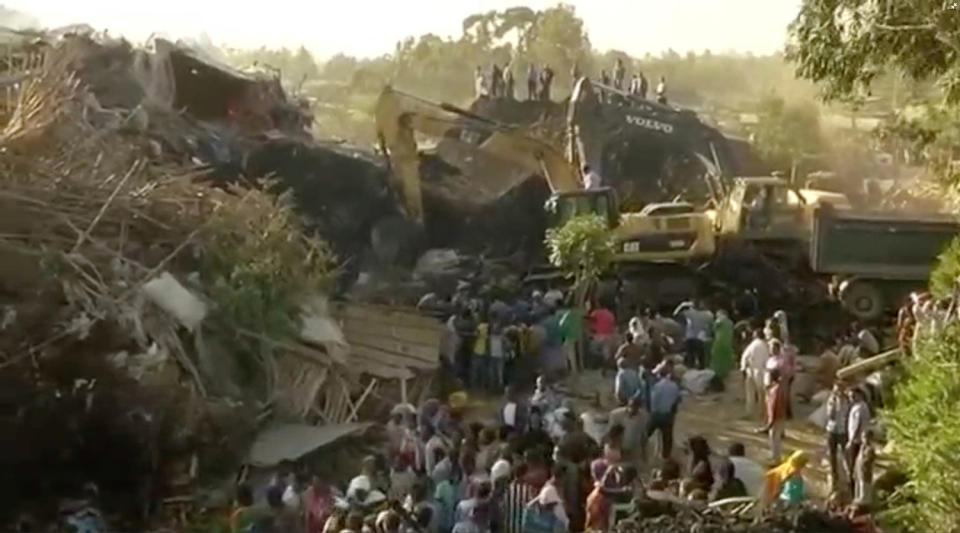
142	309
665	517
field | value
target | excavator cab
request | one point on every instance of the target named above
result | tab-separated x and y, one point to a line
563	206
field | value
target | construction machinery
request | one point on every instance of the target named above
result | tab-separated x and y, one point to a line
492	158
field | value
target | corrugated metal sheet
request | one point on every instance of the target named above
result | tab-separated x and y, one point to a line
289	442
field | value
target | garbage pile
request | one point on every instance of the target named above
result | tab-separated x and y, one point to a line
663	517
149	320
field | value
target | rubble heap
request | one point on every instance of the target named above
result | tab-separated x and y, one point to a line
664	517
149	320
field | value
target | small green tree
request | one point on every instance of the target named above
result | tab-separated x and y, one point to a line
583	248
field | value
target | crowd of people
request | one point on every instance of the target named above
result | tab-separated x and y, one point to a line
553	460
499	82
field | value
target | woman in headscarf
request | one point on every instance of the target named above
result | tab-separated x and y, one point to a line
785	481
781	319
721	351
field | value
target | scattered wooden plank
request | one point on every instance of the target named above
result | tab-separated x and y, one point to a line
383	315
869	364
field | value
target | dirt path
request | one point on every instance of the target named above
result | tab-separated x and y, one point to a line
720	417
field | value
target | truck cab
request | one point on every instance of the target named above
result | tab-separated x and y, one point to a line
770	210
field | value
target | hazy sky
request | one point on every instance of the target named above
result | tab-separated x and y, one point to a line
371	27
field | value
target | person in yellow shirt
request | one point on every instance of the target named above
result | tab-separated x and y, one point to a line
479	362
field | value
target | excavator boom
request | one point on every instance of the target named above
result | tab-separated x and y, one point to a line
492	157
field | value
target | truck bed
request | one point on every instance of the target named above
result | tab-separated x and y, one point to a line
879	245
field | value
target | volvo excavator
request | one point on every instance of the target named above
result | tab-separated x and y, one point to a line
492	158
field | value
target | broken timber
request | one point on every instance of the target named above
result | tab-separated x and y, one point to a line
389	342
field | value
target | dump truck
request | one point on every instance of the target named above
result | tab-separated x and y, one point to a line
876	259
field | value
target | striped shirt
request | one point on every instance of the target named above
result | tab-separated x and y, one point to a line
513	502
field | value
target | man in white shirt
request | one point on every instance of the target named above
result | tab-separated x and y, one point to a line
746	470
753	364
858	423
591	180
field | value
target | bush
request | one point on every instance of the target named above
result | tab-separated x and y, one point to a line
925	432
943	279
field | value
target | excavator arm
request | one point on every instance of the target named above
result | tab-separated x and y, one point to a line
467	139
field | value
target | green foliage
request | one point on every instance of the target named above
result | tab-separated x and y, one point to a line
788	132
943	278
931	138
259	267
847	44
926	435
583	248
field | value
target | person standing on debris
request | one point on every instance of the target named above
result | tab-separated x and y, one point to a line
662	90
635	84
533	78
591	179
619	73
838	413
699	324
479	83
508	82
664	401
776	414
546	81
496	79
644	86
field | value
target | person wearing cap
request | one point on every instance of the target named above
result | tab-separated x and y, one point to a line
664	400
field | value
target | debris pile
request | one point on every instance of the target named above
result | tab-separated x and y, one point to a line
150	321
663	517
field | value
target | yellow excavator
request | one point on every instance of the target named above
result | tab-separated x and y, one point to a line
667	232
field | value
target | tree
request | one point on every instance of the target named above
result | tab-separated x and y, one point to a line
786	133
846	44
583	248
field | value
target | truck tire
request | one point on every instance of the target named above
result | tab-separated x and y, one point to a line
862	299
